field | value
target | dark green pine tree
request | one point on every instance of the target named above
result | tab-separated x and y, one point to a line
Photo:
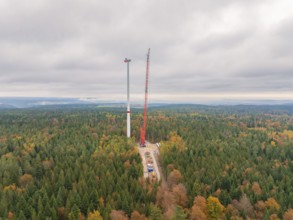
24	207
155	213
38	169
69	203
85	203
34	214
74	214
40	205
68	183
21	216
53	213
60	197
179	214
267	215
133	172
47	210
119	202
53	202
126	205
93	197
3	204
45	198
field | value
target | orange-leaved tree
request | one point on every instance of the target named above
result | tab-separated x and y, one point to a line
288	215
198	210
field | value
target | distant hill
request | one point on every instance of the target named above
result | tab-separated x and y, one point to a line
51	102
6	106
31	102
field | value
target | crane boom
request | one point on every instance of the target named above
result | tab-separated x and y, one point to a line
143	128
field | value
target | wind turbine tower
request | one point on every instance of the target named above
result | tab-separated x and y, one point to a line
128	101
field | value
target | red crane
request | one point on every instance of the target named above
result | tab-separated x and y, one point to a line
143	128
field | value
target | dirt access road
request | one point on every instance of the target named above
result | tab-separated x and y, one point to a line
153	151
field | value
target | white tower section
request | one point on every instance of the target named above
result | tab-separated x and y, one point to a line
128	99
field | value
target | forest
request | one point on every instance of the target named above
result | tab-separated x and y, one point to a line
219	162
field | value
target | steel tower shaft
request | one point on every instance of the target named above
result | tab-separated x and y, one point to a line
128	99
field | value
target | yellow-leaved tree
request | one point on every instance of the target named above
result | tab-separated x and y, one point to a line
214	208
174	141
95	215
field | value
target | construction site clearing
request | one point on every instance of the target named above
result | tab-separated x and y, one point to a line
149	155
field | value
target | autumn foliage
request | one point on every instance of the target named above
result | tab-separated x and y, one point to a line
214	208
198	211
95	215
26	180
218	162
118	215
288	215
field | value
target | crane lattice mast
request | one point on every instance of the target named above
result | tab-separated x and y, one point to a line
143	128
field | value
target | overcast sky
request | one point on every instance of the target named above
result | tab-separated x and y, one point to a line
200	49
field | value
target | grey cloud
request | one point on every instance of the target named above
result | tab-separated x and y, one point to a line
268	73
65	48
222	42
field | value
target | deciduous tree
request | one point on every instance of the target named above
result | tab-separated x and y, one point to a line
214	208
174	178
180	195
135	215
272	205
288	214
118	215
26	180
95	215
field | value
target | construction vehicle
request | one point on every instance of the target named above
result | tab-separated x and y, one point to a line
150	168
